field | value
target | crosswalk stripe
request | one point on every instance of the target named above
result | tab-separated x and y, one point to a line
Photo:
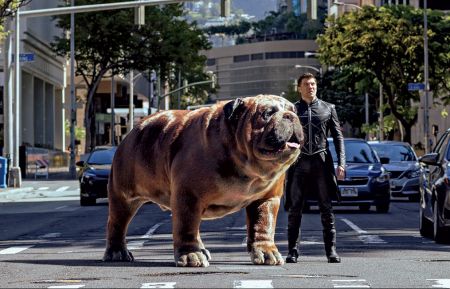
43	188
252	284
441	283
14	250
159	285
350	283
67	286
62	188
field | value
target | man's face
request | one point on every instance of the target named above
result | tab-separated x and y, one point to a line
308	88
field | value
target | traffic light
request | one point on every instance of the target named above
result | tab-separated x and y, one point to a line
225	8
185	85
213	77
139	15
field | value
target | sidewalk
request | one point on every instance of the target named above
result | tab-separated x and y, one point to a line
30	187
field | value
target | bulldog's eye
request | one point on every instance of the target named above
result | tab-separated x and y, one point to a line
267	113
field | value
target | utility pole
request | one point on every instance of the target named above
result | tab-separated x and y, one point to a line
427	85
73	112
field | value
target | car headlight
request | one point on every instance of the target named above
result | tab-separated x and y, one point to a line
88	176
413	174
384	177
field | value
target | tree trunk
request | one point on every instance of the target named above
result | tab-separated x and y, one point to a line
89	113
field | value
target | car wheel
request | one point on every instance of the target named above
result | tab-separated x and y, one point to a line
440	234
86	201
383	207
425	225
364	207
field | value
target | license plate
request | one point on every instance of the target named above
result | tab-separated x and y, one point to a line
349	192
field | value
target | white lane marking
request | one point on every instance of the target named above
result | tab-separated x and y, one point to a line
133	245
353	226
14	250
67	286
441	283
350	283
151	231
159	285
252	284
61	189
50	235
237	228
363	235
249	267
59	208
43	188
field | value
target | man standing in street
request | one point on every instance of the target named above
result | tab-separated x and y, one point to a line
313	174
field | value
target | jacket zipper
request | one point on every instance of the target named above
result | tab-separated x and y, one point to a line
309	128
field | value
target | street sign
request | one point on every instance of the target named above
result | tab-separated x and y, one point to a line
416	86
25	57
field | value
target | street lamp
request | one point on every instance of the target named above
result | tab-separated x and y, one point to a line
347	4
319	70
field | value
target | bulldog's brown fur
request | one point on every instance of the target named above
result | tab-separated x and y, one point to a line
205	164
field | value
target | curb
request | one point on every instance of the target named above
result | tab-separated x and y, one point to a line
8	191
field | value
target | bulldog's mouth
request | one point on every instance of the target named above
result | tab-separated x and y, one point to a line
291	144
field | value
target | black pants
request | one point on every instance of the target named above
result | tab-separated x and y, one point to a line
312	178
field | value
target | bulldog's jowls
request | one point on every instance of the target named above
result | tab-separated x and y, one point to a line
205	164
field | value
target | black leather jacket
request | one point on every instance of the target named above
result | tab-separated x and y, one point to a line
318	119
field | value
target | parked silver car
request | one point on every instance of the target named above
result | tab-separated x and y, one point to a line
403	166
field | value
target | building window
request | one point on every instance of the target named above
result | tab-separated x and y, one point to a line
257	56
285	54
210	62
241	58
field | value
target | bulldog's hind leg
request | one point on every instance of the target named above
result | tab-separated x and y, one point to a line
189	250
261	223
121	211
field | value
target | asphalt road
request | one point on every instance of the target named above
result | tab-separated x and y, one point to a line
58	244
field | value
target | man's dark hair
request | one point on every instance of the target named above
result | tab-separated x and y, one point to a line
306	75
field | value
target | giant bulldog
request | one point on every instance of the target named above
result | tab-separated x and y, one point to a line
205	164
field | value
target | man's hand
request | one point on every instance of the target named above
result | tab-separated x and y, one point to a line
340	173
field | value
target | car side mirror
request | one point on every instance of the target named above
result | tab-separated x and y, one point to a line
384	160
79	163
429	159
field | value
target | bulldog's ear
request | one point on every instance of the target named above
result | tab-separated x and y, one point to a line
231	109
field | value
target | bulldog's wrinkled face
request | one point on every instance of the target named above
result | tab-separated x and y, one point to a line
277	131
269	126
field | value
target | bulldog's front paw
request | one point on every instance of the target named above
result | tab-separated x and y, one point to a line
266	257
120	255
193	259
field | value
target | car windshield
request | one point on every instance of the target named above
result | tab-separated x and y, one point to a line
355	152
101	157
394	152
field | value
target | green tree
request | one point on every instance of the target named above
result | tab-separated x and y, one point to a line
387	43
109	43
7	9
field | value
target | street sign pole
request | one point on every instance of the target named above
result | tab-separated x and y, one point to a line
427	88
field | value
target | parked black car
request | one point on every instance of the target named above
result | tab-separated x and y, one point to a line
94	173
403	166
435	192
366	182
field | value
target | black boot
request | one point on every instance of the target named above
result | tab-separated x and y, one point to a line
329	239
294	221
292	256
